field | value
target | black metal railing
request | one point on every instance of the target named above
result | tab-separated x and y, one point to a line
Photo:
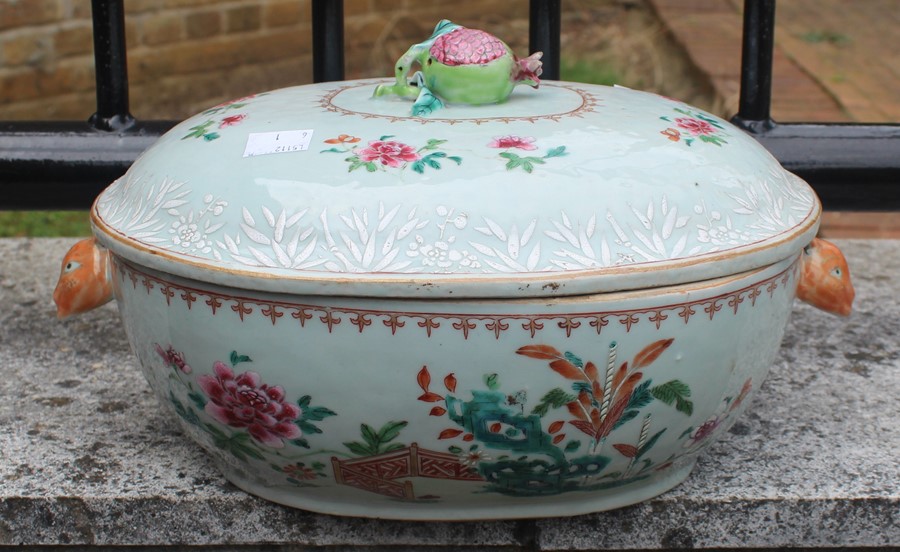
851	166
50	165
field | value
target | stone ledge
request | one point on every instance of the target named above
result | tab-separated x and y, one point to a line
87	457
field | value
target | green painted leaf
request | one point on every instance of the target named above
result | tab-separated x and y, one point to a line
241	446
390	431
574	359
580	386
455	450
554	398
511	432
369	436
392	447
386	136
304	401
419	166
359	449
686	432
186	414
301	442
317	465
214	431
236	453
556	152
528	166
641	396
433	144
456	159
211	136
492	381
307	427
316	413
335	150
198	399
572	446
199	130
371	167
676	392
670	391
649	444
237	359
684	405
625	418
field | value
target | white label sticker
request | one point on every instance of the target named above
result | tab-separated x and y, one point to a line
285	141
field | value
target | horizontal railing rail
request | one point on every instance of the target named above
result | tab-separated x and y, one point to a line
64	165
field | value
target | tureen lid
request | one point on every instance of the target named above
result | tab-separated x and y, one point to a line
567	189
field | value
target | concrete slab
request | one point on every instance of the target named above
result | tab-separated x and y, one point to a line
87	456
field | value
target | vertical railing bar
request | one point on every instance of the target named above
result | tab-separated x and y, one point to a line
110	61
328	40
756	63
544	21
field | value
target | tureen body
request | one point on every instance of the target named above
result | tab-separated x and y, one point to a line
546	307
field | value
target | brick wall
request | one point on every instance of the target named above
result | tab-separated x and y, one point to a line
185	55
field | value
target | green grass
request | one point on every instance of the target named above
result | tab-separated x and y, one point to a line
829	37
580	70
44	223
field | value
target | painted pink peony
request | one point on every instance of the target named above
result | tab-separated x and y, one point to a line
508	142
695	126
389	153
243	401
173	358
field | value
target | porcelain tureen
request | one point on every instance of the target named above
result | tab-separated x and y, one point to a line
546	305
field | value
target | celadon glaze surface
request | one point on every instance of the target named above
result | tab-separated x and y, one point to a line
449	410
568	189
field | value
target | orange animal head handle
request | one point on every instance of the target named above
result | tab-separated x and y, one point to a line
825	278
84	279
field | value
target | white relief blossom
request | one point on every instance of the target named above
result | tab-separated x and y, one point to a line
190	233
717	229
442	254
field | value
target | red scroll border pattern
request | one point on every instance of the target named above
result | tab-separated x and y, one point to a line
364	319
589	103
